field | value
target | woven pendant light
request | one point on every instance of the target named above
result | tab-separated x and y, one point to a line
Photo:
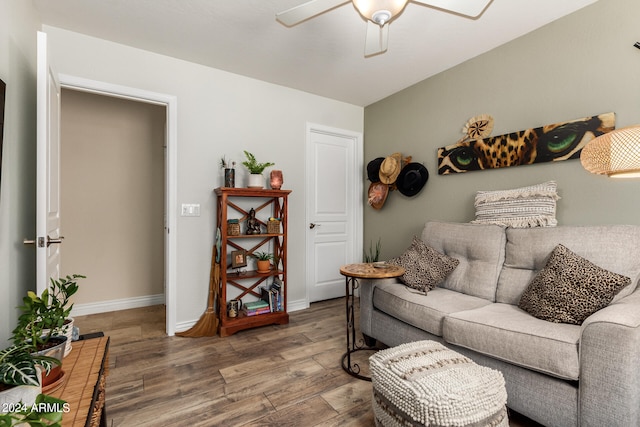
615	153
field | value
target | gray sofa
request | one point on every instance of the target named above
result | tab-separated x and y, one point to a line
556	374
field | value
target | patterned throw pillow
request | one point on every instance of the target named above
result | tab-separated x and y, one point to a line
570	288
424	267
533	206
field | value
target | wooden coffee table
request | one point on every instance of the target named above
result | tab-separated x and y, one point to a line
353	272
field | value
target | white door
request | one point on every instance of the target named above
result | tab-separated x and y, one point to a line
48	170
334	208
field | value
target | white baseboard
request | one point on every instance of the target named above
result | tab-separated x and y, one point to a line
291	306
116	304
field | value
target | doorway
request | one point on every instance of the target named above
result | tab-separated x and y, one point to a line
112	197
165	106
334	208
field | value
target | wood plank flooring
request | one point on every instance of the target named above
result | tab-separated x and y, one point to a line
288	375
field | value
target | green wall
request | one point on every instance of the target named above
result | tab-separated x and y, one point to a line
578	66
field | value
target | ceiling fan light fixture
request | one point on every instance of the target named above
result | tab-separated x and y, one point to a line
379	11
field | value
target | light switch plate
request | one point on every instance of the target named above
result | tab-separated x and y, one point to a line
190	209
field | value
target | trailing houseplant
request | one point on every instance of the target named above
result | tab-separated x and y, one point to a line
255	169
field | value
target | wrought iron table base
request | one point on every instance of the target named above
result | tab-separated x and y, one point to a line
353	345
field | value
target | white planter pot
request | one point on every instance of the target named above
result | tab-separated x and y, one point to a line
21	393
256	180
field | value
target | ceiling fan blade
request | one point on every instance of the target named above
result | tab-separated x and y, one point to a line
469	8
377	39
297	14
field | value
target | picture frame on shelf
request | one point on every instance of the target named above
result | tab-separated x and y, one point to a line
238	259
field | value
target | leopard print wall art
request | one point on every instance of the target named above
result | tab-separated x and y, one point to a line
551	143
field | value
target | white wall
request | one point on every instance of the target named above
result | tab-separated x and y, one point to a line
18	26
219	113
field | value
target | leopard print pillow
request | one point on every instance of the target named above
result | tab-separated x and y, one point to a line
424	267
570	288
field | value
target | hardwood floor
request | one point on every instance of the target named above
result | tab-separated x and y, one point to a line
286	375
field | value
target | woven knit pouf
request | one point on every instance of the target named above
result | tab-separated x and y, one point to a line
425	383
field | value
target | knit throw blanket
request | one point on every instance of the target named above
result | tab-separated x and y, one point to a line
425	384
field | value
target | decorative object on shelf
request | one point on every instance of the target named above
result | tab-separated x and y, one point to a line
263	261
615	154
229	172
233	307
256	180
233	227
555	142
276	179
273	226
253	225
238	259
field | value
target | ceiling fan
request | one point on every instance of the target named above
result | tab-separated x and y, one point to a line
379	14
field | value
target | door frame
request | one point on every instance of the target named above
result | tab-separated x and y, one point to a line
171	171
357	170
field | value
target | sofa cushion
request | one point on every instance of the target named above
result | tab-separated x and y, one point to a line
533	206
417	309
480	250
424	266
506	332
612	247
570	288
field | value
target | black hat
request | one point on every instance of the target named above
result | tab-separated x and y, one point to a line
412	178
373	169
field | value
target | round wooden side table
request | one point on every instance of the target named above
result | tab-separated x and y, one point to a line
353	272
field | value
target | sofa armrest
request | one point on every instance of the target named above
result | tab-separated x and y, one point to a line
609	371
367	288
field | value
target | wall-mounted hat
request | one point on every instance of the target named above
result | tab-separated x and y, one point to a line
390	168
378	193
412	178
373	169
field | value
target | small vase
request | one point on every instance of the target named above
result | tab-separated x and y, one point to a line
256	180
276	179
229	177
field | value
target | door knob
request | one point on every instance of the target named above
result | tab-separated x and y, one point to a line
38	242
51	241
313	225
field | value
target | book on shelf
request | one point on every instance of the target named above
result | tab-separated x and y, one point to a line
256	312
254	305
273	297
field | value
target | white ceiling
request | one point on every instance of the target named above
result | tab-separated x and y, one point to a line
323	55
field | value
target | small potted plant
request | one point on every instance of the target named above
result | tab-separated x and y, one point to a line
256	180
263	259
44	320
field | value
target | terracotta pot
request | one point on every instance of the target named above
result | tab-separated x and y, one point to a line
264	266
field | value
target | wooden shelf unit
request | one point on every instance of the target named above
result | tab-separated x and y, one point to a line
269	203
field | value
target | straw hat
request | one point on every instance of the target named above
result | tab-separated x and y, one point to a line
390	168
378	193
